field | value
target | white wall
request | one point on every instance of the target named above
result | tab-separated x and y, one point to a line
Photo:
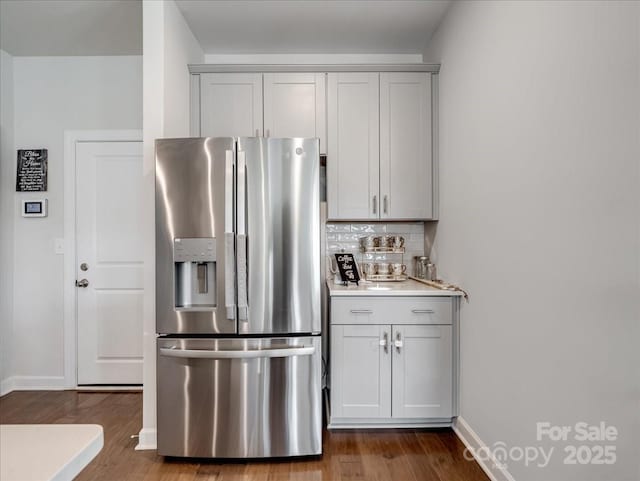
540	220
168	48
51	95
7	186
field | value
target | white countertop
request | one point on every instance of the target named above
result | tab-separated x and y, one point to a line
403	288
52	452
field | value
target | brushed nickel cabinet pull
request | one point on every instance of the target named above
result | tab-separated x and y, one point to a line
384	342
398	342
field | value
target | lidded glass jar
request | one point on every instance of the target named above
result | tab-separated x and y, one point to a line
420	264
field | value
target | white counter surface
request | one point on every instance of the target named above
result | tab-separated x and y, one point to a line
404	288
55	452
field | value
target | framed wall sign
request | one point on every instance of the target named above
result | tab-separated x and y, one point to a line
31	174
348	268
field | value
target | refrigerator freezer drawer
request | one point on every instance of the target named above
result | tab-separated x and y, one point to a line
239	398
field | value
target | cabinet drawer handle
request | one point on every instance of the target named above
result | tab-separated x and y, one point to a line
361	311
422	311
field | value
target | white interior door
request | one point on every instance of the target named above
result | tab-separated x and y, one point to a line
109	262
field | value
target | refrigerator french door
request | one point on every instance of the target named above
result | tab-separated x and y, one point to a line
238	297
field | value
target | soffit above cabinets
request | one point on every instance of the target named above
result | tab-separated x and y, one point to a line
312	26
71	27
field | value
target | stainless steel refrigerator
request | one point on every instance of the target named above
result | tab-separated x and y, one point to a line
238	297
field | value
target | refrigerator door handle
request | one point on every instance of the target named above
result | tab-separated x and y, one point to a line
237	354
243	302
243	305
229	240
242	193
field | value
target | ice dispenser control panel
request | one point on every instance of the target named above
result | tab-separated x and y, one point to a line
195	273
194	250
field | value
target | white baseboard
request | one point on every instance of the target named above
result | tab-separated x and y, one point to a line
147	439
32	383
471	440
6	386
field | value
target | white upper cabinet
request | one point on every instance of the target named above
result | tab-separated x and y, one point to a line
231	105
353	146
379	164
294	106
405	145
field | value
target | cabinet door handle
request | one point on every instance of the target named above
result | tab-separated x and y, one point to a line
384	342
422	311
385	203
375	204
361	311
398	342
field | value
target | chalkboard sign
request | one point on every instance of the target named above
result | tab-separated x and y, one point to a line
31	174
348	268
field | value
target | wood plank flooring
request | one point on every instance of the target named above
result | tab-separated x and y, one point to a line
380	455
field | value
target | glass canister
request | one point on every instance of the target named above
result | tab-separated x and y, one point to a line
420	264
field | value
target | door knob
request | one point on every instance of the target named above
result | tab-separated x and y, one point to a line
82	283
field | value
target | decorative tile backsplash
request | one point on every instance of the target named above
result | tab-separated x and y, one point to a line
345	237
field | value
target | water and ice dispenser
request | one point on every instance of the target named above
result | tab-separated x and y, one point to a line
195	273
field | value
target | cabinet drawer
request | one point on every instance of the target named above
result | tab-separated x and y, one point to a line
391	310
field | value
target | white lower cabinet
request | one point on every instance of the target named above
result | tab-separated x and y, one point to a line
422	372
361	387
393	370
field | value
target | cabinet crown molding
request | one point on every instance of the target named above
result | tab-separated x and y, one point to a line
268	68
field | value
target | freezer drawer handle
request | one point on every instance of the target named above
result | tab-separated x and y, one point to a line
422	311
250	354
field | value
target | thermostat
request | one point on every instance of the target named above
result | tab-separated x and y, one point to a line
34	208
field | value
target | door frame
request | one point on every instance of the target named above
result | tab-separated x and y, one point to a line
71	139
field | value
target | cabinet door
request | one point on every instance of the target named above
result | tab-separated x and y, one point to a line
294	106
353	151
360	372
230	105
422	372
405	145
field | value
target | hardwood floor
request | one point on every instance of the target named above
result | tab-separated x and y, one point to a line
398	455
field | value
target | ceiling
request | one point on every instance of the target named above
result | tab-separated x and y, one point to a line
71	27
114	27
313	26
